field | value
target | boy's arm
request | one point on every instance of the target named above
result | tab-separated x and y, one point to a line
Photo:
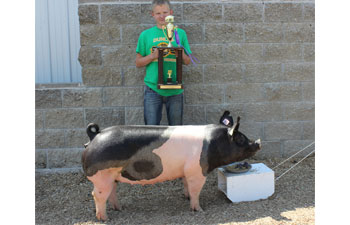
142	61
185	58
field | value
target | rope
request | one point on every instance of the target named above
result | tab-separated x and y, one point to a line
293	155
294	165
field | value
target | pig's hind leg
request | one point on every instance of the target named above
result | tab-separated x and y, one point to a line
113	200
103	186
185	188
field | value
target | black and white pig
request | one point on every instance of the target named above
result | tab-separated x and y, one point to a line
152	154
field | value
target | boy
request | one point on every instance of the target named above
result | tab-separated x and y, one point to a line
148	56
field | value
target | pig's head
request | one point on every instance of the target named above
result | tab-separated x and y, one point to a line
242	146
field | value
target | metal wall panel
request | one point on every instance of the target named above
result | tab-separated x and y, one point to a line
57	41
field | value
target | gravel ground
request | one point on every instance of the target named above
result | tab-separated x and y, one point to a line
66	199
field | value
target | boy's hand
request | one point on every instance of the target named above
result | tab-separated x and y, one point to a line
185	58
155	53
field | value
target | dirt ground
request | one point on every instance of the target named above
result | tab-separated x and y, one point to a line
66	199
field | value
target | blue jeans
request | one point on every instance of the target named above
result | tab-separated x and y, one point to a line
153	104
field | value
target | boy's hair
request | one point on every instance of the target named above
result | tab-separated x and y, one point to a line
160	2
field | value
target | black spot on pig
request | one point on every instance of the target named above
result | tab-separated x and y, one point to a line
118	146
143	166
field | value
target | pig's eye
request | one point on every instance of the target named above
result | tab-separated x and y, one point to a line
239	139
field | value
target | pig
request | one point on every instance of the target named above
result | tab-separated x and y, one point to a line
152	154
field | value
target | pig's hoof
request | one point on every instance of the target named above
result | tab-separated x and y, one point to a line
197	209
187	196
102	217
117	208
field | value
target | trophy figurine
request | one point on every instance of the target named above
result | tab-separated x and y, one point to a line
169	32
169	80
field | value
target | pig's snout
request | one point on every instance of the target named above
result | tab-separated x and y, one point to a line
258	144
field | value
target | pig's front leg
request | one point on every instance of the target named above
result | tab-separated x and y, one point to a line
113	200
195	185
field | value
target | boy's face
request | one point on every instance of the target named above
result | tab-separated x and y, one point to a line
160	12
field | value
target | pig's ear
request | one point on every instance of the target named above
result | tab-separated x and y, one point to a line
234	127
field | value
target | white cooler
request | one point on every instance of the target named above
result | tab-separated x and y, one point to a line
257	183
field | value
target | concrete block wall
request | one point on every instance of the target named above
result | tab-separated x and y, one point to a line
256	60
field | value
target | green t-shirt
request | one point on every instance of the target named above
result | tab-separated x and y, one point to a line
155	37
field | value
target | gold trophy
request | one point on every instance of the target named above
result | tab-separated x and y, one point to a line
169	32
169	29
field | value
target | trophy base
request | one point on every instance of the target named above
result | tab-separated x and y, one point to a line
170	86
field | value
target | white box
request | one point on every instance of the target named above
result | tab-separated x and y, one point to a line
257	183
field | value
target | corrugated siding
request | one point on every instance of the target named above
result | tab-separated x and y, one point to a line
57	41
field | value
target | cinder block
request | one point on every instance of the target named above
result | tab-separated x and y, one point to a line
88	14
40	158
39	119
274	131
192	74
194	32
202	12
47	99
309	52
208	54
299	72
244	92
134	76
308	90
283	12
222	73
264	32
100	34
309	130
239	53
119	55
90	56
194	115
243	13
223	33
257	183
299	111
299	32
264	73
105	117
102	76
45	139
87	97
309	12
123	96
199	94
283	92
76	138
262	112
283	53
64	118
61	158
120	14
134	116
